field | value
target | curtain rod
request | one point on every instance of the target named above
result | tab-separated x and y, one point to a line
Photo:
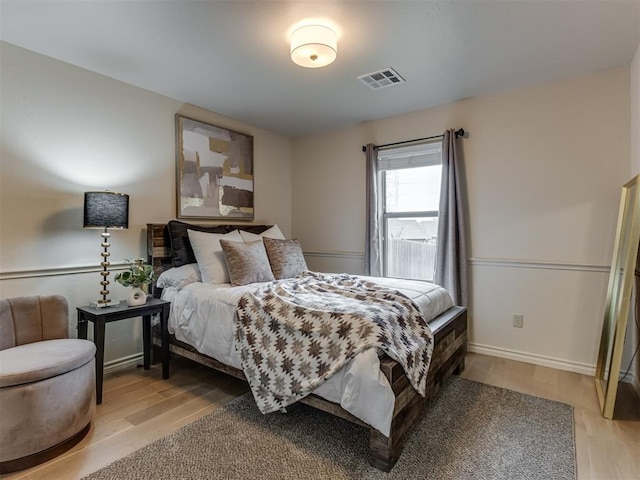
459	133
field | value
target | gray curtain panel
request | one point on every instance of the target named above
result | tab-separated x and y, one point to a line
372	239
451	257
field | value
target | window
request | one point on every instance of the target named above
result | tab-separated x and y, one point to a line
409	186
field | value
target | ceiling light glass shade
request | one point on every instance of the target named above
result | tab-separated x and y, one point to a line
314	46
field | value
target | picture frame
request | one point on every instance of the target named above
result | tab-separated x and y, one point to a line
214	171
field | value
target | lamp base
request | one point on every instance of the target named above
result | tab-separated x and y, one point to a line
102	304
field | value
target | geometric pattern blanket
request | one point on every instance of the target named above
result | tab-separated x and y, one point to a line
293	334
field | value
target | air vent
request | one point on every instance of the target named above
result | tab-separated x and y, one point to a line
387	77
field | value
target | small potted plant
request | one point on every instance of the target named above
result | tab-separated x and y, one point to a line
138	276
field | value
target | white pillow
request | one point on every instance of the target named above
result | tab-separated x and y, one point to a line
273	232
208	252
179	277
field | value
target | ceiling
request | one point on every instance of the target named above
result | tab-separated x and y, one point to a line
232	57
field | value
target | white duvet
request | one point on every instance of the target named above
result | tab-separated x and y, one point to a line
202	315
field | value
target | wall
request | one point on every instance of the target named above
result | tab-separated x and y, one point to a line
544	168
65	131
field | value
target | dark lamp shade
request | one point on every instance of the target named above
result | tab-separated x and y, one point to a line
106	209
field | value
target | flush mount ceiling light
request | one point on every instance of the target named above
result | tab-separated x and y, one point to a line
314	46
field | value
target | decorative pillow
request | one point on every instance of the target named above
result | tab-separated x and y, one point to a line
273	232
209	255
285	257
247	262
179	277
180	244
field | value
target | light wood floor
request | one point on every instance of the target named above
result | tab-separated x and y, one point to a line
139	407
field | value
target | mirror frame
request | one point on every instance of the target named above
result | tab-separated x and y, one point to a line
621	279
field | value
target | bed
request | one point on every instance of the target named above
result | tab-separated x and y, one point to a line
449	348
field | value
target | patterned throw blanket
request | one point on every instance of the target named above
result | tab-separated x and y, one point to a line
294	334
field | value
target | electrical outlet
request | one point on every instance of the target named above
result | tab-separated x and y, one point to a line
518	320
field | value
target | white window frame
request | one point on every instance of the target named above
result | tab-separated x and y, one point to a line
411	156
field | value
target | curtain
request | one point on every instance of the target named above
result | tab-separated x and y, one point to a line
372	240
451	256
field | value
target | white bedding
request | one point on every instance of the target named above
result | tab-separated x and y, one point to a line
202	315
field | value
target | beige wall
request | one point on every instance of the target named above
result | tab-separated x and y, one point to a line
544	168
65	131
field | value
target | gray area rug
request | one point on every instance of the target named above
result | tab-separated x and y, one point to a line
469	431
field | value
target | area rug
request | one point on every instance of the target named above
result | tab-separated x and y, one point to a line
468	431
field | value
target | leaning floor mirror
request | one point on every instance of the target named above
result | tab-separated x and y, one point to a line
619	292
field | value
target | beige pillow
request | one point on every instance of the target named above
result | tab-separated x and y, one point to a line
285	257
208	252
246	262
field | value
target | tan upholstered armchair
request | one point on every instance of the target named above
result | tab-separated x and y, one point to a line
47	382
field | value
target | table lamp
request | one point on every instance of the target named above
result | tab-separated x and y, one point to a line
105	210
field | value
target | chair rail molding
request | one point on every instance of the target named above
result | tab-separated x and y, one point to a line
330	254
57	271
485	262
539	264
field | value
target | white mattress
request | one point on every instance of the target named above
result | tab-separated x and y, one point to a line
202	315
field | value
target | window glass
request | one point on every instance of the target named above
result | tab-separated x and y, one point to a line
411	247
412	189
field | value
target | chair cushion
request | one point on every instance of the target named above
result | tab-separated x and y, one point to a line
41	360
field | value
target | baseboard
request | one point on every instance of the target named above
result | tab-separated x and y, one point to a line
122	363
577	367
636	386
567	365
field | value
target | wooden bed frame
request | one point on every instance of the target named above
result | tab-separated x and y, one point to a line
450	347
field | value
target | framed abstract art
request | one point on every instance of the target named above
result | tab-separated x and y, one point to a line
214	171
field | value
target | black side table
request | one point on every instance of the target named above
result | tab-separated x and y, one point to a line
100	316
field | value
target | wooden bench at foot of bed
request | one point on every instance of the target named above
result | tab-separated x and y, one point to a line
450	347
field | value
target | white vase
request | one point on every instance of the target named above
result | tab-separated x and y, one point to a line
136	297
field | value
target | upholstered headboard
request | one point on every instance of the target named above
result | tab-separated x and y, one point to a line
168	243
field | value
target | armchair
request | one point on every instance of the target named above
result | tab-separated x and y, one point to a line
47	382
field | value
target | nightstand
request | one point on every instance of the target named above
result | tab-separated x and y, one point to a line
101	316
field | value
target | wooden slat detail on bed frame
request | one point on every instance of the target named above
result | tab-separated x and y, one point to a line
158	248
450	348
